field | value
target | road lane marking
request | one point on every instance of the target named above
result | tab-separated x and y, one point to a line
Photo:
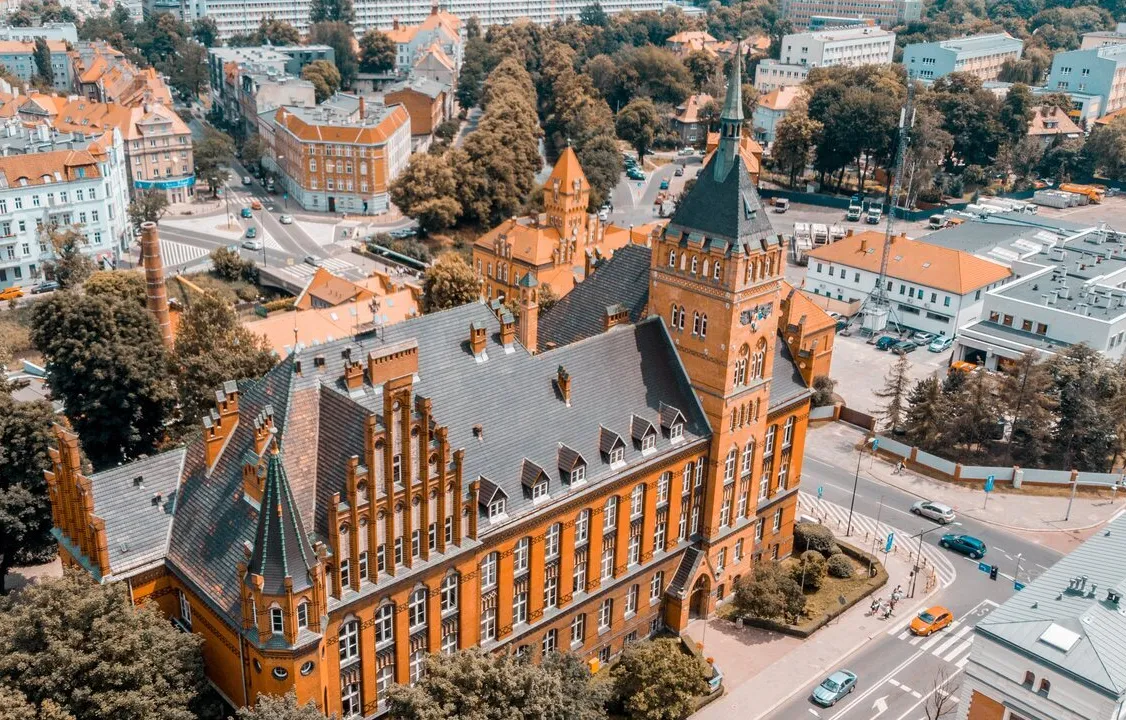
814	713
936	637
962	663
893	682
905	689
952	639
895	671
958	650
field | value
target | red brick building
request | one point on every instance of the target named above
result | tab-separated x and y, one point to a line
456	480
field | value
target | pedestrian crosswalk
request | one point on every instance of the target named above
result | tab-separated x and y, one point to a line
876	534
304	271
175	254
951	645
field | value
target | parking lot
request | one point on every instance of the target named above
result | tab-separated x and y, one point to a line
860	369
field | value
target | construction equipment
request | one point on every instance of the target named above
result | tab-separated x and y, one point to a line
1094	193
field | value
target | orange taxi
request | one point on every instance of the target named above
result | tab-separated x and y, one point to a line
255	204
931	620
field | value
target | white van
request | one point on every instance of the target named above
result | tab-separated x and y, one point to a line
781	205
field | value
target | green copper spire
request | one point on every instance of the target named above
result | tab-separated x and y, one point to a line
731	121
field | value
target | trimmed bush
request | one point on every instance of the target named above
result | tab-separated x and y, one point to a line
839	566
809	572
814	536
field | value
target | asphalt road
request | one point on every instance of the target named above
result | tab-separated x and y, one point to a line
898	672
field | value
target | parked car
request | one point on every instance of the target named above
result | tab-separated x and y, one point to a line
604	214
935	511
962	366
11	293
940	344
252	244
781	205
686	151
904	346
923	337
886	342
252	232
403	233
931	621
834	687
965	544
245	212
635	173
286	219
44	287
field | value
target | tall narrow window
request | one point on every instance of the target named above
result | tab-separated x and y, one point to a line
449	593
582	526
610	513
349	641
417	609
637	501
663	487
385	624
489	571
277	621
303	615
729	466
656	586
520	555
551	541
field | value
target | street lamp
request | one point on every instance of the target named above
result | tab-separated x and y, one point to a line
919	554
855	482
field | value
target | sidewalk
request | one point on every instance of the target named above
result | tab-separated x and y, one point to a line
1031	511
764	669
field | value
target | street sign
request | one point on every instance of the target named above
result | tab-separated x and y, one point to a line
890	541
875	444
989	484
820	491
984	567
1018	586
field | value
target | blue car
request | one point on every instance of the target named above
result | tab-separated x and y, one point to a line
886	342
965	544
834	687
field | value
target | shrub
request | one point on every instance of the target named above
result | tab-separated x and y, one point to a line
770	593
809	572
281	304
814	536
823	387
839	566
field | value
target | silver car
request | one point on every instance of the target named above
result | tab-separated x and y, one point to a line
935	511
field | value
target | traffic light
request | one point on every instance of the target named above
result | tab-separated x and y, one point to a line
993	572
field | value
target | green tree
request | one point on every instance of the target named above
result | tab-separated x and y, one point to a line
20	17
794	139
338	35
254	149
970	115
148	206
426	190
809	571
650	72
823	389
211	156
974	413
280	707
228	265
1064	160
1106	149
85	648
702	66
276	32
14	706
205	31
125	285
325	79
449	282
1084	434
1029	401
894	394
656	680
331	11
638	124
1016	112
473	684
770	593
189	74
926	414
42	57
69	266
105	361
594	16
377	52
212	346
25	509
475	67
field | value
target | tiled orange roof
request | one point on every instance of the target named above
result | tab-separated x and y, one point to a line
330	289
15	47
802	309
1043	115
689	36
749	149
567	169
533	240
780	99
349	134
1109	117
689	111
41	168
315	327
914	261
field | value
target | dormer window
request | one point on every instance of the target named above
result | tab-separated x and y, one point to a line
277	621
303	615
539	491
649	442
617	456
578	475
497	508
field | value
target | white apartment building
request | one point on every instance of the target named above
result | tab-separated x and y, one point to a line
1101	38
65	32
1068	292
1099	71
979	55
85	187
932	288
886	13
824	48
1054	649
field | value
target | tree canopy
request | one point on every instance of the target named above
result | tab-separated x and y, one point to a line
656	680
325	78
449	282
377	52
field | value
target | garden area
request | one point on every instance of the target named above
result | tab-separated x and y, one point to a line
800	594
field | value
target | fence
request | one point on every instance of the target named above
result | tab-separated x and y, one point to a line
839	201
825	412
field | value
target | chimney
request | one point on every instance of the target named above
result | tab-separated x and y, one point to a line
220	422
563	383
507	331
863	244
156	293
393	362
615	315
434	9
353	375
394	23
477	340
848	233
529	312
363	107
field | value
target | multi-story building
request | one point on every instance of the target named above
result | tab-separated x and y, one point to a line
442	485
248	81
1051	125
439	29
103	74
824	48
887	13
979	55
689	121
63	181
18	56
60	31
341	155
1069	291
428	103
384	13
1099	71
826	22
1102	38
1052	649
770	109
932	288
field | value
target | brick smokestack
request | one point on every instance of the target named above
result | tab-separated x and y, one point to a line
155	291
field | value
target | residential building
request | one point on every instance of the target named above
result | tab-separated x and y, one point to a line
60	31
1102	38
82	186
824	48
770	109
341	155
931	288
384	13
428	103
103	74
1050	125
439	32
1052	649
441	485
886	13
1068	291
689	119
555	248
18	56
978	55
687	42
1099	71
276	67
826	22
260	93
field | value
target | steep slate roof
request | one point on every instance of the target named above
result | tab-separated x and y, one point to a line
281	547
1097	659
786	384
136	502
622	279
727	211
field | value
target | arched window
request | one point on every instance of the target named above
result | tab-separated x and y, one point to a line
695	261
385	623
672	258
303	614
449	593
758	361
788	432
695	323
715	270
1029	679
672	317
277	620
741	365
680	320
704	271
729	466
703	325
489	571
349	641
1045	687
748	456
416	609
637	501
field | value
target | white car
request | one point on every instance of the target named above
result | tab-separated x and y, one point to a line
252	244
286	219
935	511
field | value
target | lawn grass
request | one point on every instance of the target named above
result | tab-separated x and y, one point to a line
825	601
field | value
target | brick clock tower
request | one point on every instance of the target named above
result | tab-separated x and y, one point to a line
716	279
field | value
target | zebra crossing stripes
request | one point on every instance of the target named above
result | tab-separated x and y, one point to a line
862	524
175	253
951	645
337	266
